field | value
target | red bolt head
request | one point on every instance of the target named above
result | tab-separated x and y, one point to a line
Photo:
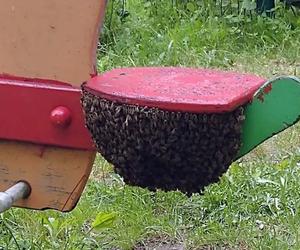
61	117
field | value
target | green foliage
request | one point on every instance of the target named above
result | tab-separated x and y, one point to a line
169	33
104	220
256	205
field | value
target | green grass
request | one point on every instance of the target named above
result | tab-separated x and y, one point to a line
163	35
256	205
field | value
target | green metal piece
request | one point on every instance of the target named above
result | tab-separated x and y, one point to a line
275	107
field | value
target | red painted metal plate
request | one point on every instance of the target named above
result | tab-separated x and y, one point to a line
177	89
42	113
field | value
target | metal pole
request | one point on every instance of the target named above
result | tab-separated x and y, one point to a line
265	6
21	190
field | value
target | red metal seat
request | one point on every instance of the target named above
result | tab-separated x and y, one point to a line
177	89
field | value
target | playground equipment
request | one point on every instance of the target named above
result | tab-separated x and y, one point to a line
169	128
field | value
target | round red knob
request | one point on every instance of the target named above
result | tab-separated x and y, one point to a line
61	117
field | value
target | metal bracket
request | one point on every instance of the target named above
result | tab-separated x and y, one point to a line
47	113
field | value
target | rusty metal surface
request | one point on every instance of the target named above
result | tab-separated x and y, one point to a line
177	89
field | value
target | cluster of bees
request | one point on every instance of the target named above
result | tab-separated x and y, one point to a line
159	149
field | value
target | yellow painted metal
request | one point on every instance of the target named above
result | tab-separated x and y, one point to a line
57	176
52	40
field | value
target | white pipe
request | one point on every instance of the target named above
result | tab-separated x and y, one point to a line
21	190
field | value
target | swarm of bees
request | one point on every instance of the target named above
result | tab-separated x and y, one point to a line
159	149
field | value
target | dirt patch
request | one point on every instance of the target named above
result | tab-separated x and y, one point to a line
240	246
159	243
160	247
